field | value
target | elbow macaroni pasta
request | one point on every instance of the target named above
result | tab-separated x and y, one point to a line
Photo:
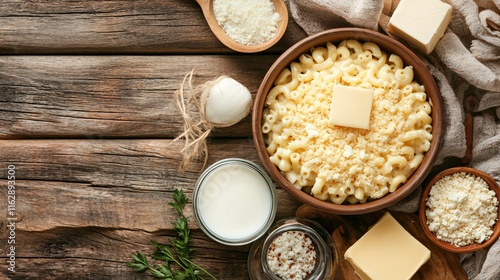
343	164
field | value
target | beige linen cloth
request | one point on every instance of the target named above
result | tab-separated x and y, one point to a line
466	61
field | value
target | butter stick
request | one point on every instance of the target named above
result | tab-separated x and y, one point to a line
421	23
387	252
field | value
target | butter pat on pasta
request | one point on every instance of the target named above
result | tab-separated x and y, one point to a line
351	106
387	252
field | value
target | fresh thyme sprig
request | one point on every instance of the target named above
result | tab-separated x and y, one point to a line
176	265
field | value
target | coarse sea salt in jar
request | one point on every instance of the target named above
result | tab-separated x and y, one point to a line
294	248
234	201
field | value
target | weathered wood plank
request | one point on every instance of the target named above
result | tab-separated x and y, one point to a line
114	26
42	205
94	97
82	206
138	164
97	253
119	184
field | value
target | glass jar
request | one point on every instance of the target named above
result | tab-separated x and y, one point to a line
326	264
234	201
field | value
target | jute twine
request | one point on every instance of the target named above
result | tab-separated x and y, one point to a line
191	101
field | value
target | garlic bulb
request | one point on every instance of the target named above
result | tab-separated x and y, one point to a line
227	102
218	103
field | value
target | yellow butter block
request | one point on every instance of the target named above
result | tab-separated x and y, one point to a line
351	106
387	252
421	23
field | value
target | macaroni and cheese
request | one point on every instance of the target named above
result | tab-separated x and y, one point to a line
345	164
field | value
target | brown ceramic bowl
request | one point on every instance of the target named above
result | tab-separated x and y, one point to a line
423	218
387	44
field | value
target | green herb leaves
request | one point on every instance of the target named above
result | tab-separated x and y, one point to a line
177	264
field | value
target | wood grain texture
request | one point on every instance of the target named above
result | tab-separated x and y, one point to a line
108	183
83	206
100	254
44	205
112	26
87	116
94	97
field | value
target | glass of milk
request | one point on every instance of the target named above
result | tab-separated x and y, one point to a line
234	201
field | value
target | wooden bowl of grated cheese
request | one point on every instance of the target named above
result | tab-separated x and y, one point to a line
348	121
459	210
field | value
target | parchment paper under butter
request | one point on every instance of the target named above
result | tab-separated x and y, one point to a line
465	61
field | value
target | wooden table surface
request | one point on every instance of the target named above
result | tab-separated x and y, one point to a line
87	117
87	122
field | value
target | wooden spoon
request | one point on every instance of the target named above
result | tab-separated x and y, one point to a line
208	12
